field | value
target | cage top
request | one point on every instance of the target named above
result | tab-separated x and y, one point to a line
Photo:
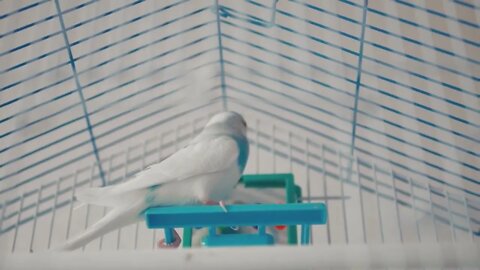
396	81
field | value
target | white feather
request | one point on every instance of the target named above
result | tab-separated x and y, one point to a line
205	157
206	169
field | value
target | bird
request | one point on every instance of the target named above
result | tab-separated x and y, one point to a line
206	170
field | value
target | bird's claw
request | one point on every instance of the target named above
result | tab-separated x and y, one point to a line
222	204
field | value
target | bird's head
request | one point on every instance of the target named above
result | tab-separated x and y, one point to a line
230	120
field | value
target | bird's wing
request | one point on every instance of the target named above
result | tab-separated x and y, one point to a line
206	157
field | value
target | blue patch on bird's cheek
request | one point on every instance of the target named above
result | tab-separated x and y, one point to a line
242	144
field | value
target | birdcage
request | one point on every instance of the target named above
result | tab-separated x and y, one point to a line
373	106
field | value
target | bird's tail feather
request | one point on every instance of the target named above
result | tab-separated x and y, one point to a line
102	196
114	219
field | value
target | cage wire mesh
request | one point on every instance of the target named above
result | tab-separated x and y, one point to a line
374	102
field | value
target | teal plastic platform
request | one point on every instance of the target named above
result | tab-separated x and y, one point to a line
225	240
213	216
285	181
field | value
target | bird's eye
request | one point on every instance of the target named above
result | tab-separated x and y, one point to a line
244	123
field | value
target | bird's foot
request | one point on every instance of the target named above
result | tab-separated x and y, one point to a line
174	244
220	203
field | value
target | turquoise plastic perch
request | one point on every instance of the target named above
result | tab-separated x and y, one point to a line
213	216
285	181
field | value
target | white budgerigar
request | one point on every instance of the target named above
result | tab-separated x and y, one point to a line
205	170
